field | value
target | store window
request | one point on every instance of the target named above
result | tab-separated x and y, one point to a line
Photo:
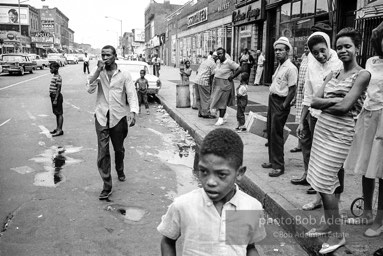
322	7
308	8
285	12
296	10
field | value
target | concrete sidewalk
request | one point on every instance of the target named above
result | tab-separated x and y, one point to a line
280	198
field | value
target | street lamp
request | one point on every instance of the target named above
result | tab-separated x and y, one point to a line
109	17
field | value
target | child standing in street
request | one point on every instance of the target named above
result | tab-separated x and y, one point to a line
217	219
142	86
56	99
242	101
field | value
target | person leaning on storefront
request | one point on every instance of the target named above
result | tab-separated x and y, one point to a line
223	85
282	91
246	60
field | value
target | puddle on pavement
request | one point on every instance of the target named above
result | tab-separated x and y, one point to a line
130	214
179	153
53	160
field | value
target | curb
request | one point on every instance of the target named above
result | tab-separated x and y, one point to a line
273	203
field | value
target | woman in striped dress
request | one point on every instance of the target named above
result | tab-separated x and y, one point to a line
340	99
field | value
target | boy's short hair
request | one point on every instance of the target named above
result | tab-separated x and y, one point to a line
245	77
142	71
54	65
225	143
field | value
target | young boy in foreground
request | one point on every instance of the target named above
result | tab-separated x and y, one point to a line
217	219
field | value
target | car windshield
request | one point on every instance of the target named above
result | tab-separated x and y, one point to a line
11	58
132	67
54	55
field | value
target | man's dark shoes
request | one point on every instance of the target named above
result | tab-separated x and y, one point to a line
53	132
266	144
105	194
58	133
267	165
300	181
311	191
276	172
208	117
121	177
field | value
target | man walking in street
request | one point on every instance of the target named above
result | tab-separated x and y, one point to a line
282	91
115	95
260	63
86	63
203	85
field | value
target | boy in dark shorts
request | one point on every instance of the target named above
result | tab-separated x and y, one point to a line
217	219
56	99
242	102
142	86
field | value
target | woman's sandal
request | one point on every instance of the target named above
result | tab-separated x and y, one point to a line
311	206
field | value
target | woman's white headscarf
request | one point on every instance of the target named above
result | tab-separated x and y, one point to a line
333	62
317	72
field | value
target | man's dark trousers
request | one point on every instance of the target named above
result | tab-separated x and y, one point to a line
86	66
202	94
307	140
117	134
276	120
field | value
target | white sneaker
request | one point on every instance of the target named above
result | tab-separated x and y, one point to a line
219	122
225	117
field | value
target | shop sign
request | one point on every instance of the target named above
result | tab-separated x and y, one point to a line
197	17
155	41
225	4
48	24
10	36
247	13
42	37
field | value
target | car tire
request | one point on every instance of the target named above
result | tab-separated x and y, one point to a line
22	71
31	71
42	67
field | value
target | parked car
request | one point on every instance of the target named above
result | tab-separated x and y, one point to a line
134	68
57	57
17	63
40	62
72	58
80	56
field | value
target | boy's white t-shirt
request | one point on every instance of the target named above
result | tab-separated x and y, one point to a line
242	89
205	233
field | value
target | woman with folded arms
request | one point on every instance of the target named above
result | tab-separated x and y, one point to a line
341	100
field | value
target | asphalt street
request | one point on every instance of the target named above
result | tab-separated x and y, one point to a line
49	187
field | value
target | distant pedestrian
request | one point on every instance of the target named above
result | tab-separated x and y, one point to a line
242	101
223	85
246	60
56	99
156	61
260	66
217	219
186	72
365	155
116	95
282	91
142	86
86	63
203	83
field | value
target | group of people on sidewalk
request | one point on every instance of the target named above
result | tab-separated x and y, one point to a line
340	128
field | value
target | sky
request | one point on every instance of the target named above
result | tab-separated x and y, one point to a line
87	17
